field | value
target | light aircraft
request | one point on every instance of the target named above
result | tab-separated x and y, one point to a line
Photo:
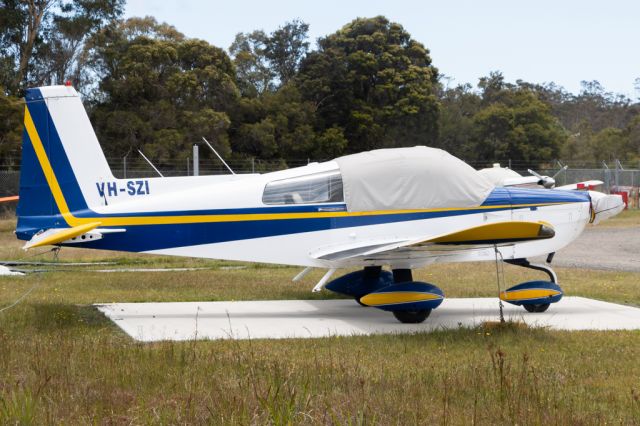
401	208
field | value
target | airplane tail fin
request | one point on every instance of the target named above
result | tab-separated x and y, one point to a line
61	160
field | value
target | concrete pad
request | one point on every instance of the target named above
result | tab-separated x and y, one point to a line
278	319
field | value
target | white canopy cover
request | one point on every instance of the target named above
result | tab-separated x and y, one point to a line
410	178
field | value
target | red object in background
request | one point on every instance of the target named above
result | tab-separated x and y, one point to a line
582	186
13	198
67	83
625	197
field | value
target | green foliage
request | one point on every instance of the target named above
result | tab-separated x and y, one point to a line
518	126
285	49
376	83
161	91
11	110
254	75
368	85
591	113
42	41
283	125
456	124
500	121
266	62
608	144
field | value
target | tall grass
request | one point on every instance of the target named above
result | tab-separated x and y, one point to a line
62	362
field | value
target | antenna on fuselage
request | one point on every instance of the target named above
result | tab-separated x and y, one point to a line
218	155
150	163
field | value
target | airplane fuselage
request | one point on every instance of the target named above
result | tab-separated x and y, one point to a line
224	218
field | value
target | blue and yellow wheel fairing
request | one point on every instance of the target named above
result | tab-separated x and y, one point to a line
410	296
532	293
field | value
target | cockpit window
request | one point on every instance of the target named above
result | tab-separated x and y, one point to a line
323	187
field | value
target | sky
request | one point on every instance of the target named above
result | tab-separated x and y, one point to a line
564	41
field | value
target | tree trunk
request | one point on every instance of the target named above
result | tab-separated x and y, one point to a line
37	9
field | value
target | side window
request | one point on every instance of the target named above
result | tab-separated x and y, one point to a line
323	187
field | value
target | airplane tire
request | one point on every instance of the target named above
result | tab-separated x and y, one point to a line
537	308
412	317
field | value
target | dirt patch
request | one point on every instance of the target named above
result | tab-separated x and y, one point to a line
615	249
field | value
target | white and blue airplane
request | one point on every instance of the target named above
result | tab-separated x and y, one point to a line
401	208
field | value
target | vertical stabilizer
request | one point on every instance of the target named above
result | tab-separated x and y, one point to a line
61	159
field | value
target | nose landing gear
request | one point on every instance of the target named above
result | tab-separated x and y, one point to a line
534	296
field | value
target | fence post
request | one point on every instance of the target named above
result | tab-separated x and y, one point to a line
196	161
606	177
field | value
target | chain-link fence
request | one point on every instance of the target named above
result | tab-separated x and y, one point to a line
9	183
616	179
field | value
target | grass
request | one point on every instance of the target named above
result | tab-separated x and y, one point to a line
63	362
630	217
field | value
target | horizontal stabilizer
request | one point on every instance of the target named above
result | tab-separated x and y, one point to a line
586	185
58	235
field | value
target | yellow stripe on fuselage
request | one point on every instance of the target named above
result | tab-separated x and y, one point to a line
527	294
397	297
165	220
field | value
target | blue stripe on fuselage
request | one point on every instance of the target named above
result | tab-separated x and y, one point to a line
526	196
156	237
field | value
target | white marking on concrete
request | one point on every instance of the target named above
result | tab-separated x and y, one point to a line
279	319
6	271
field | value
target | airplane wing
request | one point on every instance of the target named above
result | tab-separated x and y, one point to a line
523	180
587	184
482	236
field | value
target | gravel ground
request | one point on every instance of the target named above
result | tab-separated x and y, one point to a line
615	249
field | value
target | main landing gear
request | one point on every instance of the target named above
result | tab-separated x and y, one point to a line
534	296
410	301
